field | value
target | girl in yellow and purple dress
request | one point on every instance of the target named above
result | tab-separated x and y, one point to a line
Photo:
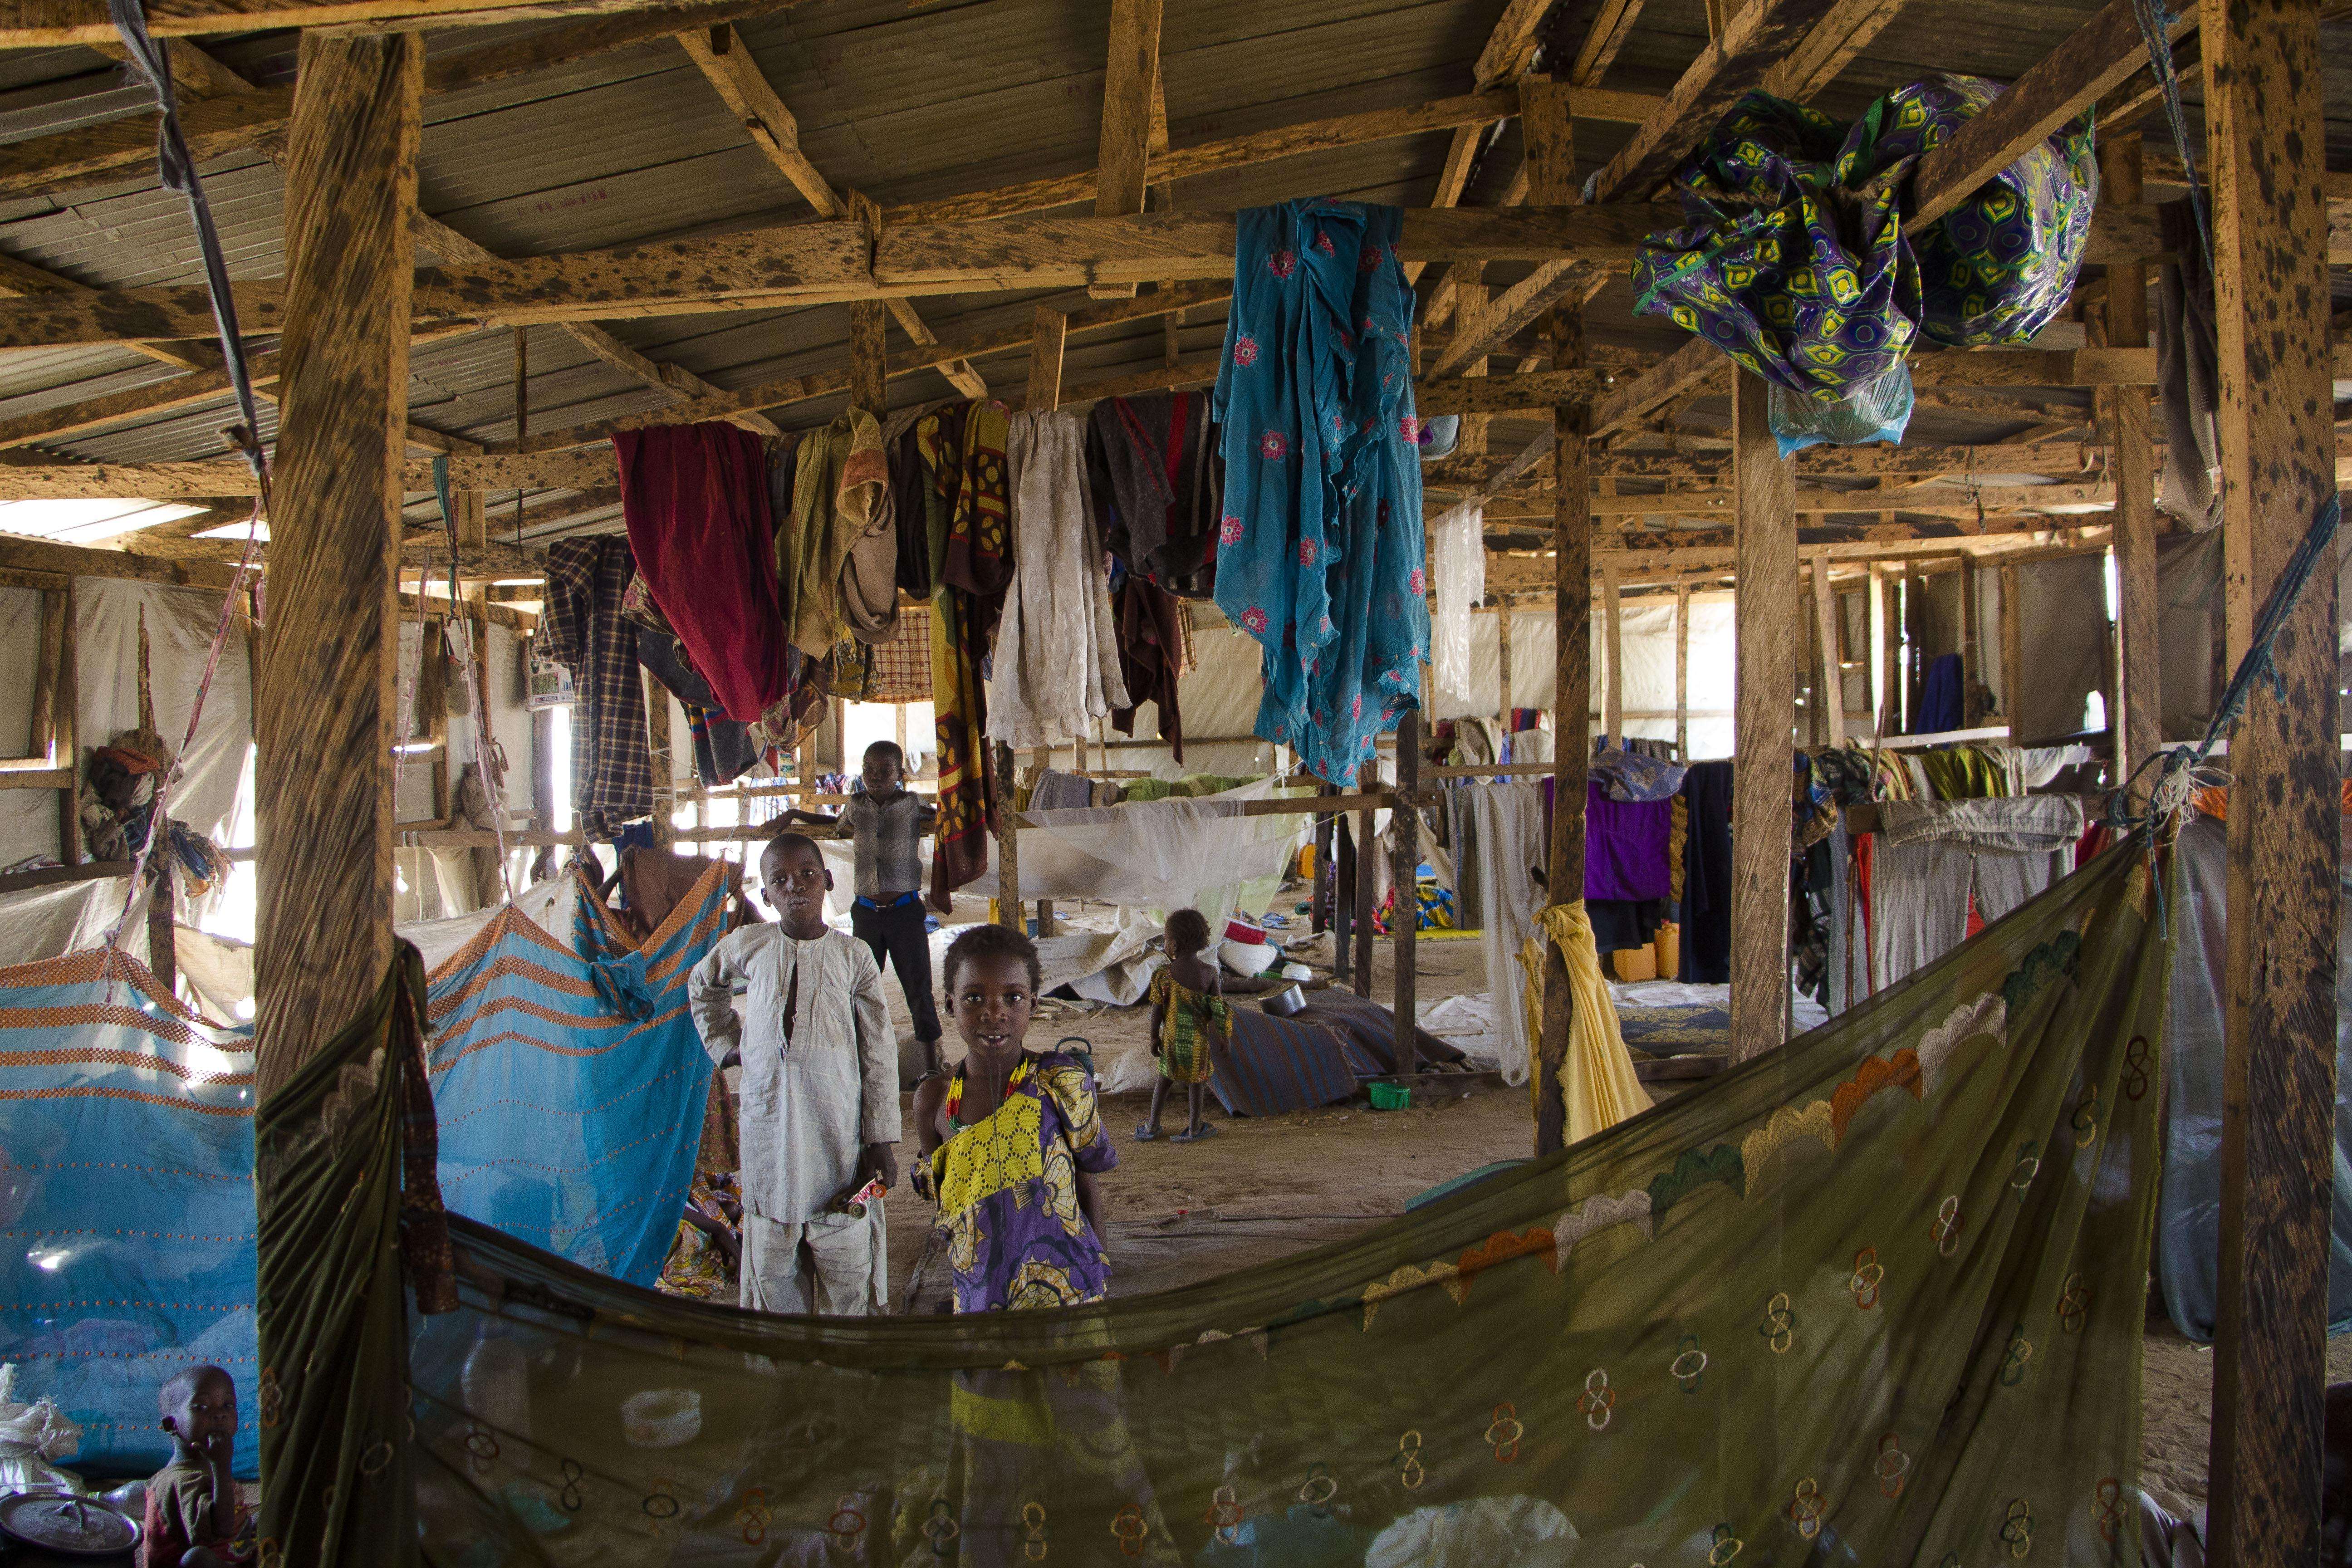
1012	1143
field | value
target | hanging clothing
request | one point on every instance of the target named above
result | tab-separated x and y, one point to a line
1625	854
1149	627
970	541
1156	480
1707	875
723	748
584	631
1459	588
2188	374
1963	773
839	479
1322	548
1941	706
1631	775
1057	664
913	494
696	501
1008	1192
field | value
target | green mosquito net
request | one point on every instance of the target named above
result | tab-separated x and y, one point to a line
1875	1297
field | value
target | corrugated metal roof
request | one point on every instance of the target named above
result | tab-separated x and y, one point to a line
907	104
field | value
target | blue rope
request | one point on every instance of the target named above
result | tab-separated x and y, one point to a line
176	167
2156	20
2253	668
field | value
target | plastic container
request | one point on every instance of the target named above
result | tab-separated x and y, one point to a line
661	1417
1389	1096
1668	945
1636	963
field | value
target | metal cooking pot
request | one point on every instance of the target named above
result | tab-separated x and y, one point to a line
1288	1002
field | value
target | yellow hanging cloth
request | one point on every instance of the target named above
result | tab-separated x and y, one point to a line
1597	1084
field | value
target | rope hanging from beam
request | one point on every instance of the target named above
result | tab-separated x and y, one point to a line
176	168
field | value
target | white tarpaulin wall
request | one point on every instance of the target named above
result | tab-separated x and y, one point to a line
1647	640
1219	698
180	626
1161	854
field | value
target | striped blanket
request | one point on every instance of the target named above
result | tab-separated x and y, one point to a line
126	1149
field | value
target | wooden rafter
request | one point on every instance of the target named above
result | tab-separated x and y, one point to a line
726	62
834	262
243	122
674	381
1131	87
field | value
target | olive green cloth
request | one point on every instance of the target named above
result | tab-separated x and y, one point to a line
1874	1298
332	1147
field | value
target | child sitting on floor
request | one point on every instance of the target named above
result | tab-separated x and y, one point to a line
194	1517
1190	1023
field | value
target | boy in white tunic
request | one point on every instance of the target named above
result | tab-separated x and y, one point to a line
820	1091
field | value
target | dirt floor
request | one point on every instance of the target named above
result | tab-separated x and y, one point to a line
1258	1191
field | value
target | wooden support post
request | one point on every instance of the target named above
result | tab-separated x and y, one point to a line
2264	70
2013	656
1762	750
1550	141
1405	824
1572	708
1366	847
1830	696
1503	660
324	713
869	325
1123	155
162	946
1045	361
657	743
1039	759
1320	917
1887	612
66	725
1008	844
1612	700
1344	870
2123	410
1681	675
542	770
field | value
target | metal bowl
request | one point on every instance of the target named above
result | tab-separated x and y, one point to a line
66	1525
1288	1002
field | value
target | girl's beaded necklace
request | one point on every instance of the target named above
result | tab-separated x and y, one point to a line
955	1092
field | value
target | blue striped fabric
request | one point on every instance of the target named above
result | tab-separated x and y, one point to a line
569	1091
126	1150
126	1186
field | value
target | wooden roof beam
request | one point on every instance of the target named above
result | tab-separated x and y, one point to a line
726	62
825	383
52	24
673	380
823	263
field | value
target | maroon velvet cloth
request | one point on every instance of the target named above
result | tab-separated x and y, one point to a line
695	498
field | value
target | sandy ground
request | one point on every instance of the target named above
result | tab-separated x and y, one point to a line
1261	1190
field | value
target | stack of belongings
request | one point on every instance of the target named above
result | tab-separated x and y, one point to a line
1795	263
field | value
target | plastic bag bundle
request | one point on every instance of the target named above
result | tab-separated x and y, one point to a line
1461	584
1879	409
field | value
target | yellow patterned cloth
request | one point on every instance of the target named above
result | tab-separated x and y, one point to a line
1186	1023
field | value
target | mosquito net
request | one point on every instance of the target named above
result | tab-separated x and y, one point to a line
1877	1296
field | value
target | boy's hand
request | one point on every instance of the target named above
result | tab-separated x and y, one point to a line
878	1162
